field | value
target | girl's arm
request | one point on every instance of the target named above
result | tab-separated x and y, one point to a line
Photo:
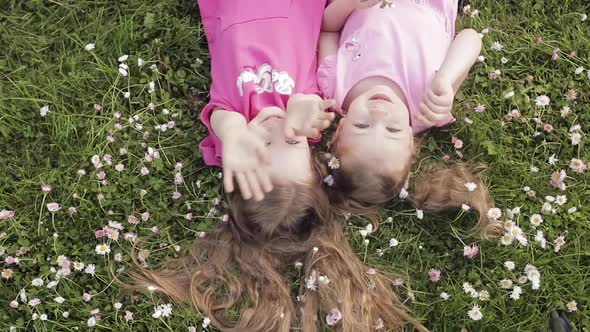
336	14
460	58
338	11
328	44
225	122
437	105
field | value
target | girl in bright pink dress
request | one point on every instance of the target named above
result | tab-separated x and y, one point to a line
263	64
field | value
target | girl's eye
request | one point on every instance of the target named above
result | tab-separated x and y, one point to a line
393	130
267	144
361	125
291	142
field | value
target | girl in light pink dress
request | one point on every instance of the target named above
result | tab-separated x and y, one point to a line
394	73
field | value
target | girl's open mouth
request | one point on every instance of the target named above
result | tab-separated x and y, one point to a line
381	97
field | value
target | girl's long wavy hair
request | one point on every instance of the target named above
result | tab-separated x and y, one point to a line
238	274
438	187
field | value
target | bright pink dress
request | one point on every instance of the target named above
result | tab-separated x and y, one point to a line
406	44
262	52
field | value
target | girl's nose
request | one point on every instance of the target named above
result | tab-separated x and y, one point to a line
378	113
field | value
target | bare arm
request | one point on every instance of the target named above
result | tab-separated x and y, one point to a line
328	45
336	14
437	104
460	58
224	122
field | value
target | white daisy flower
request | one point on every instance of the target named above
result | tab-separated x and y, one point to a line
572	306
540	238
516	291
102	249
561	200
494	213
475	313
419	214
536	219
480	108
44	110
37	282
506	283
509	265
506	239
334	163
542	101
470	186
484	295
496	46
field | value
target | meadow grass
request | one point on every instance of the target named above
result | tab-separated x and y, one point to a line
44	63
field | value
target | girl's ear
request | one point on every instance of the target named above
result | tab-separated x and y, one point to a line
334	137
340	124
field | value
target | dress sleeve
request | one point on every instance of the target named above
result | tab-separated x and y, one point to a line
208	11
326	75
211	146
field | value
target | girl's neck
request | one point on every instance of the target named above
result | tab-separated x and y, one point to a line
369	82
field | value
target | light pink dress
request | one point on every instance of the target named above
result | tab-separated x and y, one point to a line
406	44
262	51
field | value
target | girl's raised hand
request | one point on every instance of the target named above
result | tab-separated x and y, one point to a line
437	105
246	158
307	115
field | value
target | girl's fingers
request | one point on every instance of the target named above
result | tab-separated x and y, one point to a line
243	184
427	115
434	107
228	181
424	120
321	124
327	116
325	104
264	179
439	100
289	132
254	185
267	113
313	133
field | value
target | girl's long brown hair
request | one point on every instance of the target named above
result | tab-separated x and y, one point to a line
437	187
237	275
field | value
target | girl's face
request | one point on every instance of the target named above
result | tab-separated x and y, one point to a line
376	132
290	158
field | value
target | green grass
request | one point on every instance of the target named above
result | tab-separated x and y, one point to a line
43	62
